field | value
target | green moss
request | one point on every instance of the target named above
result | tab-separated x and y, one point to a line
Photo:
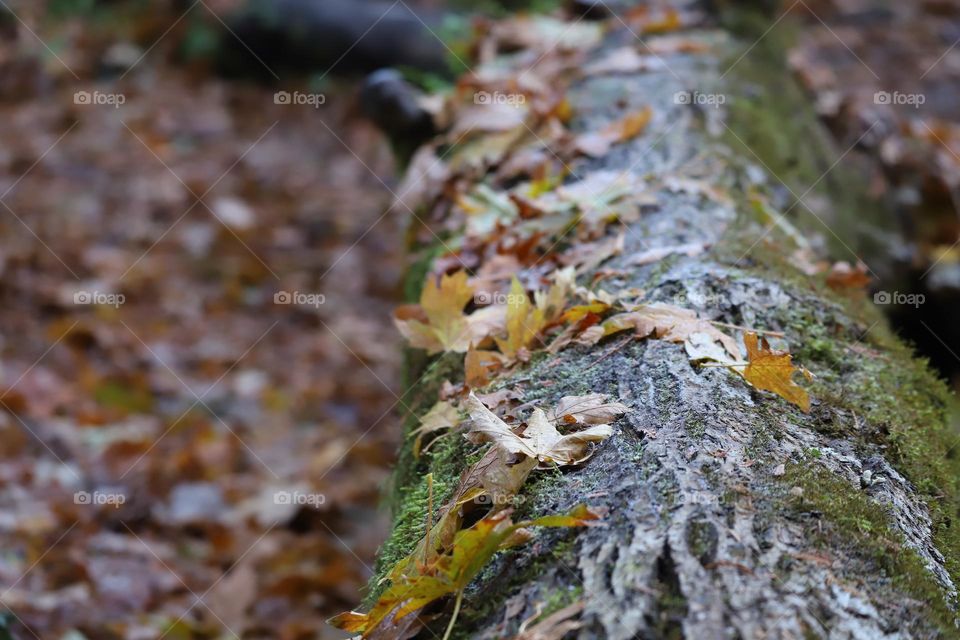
840	516
558	599
446	461
696	426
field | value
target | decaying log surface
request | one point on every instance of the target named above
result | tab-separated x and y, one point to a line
732	514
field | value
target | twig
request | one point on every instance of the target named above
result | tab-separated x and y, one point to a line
775	334
609	353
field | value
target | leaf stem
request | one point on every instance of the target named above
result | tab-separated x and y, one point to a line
456	612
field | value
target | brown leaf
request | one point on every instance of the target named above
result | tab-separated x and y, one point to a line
597	144
667	322
844	276
555	626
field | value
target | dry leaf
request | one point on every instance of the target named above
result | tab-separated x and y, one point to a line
452	571
844	276
667	322
540	440
771	370
622	60
526	319
438	322
655	255
597	144
554	627
592	408
479	365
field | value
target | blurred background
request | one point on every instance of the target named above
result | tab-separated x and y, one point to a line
200	386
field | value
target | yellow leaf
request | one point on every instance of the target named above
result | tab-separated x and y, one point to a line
524	321
439	324
771	370
451	572
597	144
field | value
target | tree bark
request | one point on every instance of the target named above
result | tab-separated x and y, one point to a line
732	514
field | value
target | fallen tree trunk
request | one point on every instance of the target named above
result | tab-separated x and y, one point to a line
731	513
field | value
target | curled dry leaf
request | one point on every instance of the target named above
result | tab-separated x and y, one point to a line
540	440
844	276
592	408
666	322
479	365
655	255
622	60
772	370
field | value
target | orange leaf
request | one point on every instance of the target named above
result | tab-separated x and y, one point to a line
771	370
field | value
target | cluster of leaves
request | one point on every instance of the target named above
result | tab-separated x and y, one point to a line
508	286
449	557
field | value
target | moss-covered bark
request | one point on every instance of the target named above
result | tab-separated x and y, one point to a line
732	513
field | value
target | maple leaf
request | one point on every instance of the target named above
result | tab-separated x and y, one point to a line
666	322
451	572
526	319
540	440
771	370
438	322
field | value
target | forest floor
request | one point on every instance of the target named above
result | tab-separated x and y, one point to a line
186	455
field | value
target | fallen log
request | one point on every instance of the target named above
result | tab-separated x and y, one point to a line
731	512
